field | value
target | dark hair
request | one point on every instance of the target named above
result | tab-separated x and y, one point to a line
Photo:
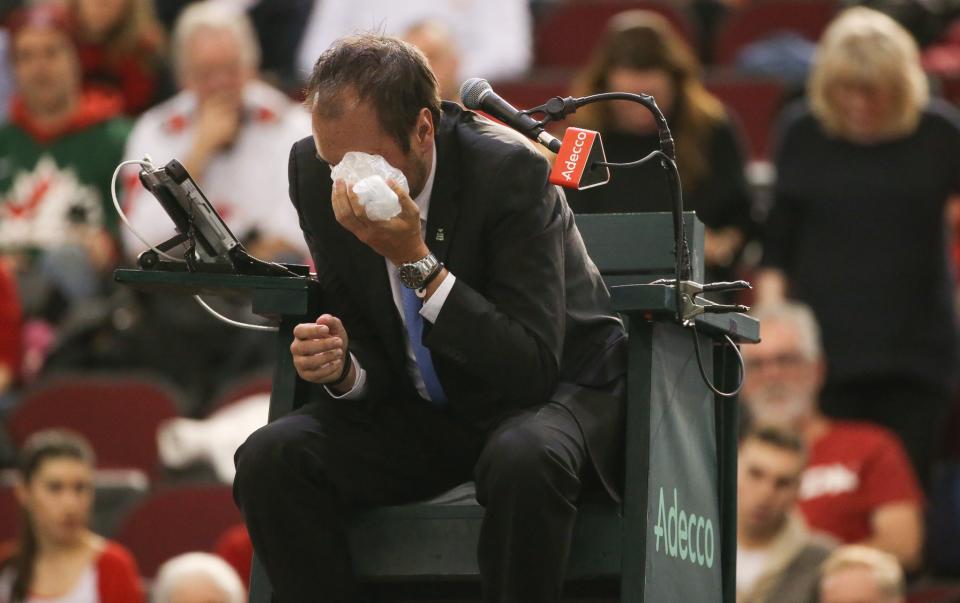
644	40
389	73
778	438
39	448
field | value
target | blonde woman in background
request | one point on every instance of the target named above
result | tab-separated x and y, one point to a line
857	229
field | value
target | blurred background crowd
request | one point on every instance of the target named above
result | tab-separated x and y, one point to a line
818	141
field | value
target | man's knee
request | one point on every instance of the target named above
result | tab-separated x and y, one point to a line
524	458
271	454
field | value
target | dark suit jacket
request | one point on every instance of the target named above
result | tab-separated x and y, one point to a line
528	319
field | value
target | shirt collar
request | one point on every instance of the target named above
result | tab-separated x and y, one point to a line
423	199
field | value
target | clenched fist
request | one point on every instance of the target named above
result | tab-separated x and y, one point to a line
319	351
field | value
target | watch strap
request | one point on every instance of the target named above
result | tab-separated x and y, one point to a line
422	291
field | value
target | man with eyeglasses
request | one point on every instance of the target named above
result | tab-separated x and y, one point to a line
858	484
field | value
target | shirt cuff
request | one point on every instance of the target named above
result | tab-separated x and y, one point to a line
359	386
431	310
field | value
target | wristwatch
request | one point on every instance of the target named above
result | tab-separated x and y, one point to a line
417	275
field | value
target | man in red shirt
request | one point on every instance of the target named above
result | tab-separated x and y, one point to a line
858	485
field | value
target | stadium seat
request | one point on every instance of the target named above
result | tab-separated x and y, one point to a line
950	89
756	21
566	35
177	520
755	104
9	515
240	389
524	94
942	593
119	415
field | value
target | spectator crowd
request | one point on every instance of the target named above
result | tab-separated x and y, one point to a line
817	140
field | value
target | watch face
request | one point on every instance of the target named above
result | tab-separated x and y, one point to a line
411	276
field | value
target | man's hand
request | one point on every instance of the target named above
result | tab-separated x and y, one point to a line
397	239
218	124
319	350
770	286
898	529
720	246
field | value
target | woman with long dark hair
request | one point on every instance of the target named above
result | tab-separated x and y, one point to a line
58	559
640	52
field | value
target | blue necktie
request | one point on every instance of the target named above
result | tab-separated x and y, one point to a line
414	322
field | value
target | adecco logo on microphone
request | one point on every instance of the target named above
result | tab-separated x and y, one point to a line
686	536
575	166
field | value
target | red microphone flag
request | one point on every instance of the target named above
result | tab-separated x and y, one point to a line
577	162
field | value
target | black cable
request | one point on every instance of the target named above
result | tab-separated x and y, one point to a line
703	372
632	164
682	250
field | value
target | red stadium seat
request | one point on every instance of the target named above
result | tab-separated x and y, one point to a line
9	515
240	389
755	103
566	36
119	415
235	548
943	593
178	520
754	22
950	89
524	94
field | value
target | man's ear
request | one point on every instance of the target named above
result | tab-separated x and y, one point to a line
425	127
820	373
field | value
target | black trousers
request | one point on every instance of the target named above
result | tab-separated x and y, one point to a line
916	411
301	476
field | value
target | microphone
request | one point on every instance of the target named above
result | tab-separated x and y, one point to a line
476	94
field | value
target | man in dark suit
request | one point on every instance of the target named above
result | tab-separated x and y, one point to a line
470	337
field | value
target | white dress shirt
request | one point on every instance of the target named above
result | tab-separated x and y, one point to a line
430	310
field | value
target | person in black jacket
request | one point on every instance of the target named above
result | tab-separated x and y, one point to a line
641	53
858	232
470	337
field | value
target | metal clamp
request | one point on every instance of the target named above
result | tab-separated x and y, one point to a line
690	292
